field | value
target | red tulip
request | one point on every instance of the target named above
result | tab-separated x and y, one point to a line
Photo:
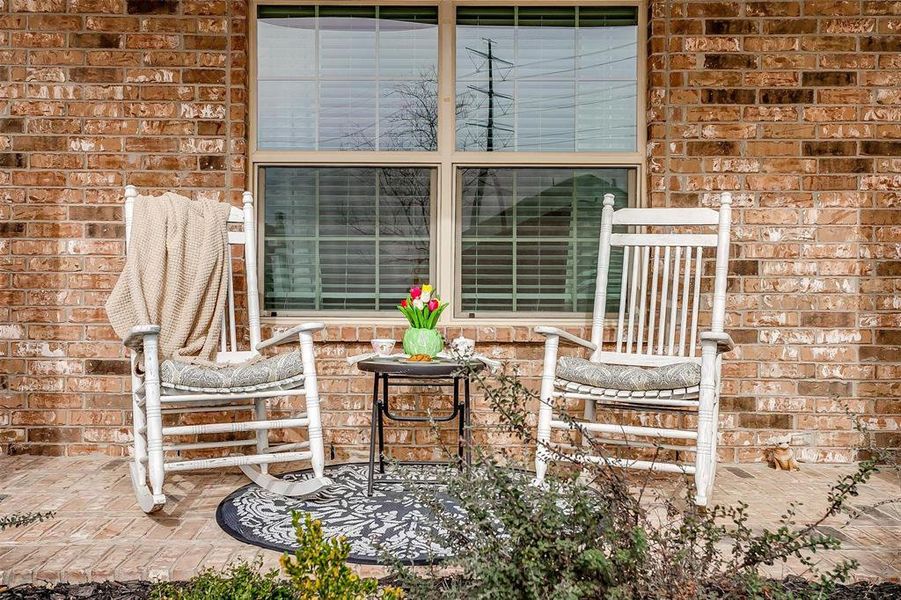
404	303
433	305
415	292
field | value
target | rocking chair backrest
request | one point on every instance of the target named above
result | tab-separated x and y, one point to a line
228	350
661	276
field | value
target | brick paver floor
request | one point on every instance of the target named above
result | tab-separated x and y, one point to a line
99	532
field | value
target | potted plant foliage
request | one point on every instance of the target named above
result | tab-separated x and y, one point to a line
422	307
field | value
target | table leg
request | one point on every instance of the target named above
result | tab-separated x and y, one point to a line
461	417
382	423
467	407
372	429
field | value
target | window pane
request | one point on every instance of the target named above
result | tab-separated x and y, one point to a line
530	238
546	79
344	238
347	77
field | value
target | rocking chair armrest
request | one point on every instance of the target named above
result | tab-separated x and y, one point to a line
281	338
549	331
135	337
724	342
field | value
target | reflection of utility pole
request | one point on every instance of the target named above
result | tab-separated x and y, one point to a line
490	93
489	140
490	125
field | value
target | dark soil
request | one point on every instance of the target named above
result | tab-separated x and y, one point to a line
857	591
140	590
107	590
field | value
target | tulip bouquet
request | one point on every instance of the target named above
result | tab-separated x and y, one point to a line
422	307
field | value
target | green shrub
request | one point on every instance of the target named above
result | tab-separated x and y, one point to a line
242	581
593	537
317	570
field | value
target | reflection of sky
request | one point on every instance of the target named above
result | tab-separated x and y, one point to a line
350	82
558	88
339	86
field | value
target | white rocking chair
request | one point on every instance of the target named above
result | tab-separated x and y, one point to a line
177	387
655	366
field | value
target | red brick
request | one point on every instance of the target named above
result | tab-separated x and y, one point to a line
792	105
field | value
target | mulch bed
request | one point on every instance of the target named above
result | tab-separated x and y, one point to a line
140	590
107	590
863	590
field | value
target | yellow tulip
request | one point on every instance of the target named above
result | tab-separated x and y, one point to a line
427	288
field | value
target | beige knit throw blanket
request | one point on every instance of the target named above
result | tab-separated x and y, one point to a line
175	275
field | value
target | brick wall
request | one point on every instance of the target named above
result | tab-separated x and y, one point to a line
792	105
95	94
795	107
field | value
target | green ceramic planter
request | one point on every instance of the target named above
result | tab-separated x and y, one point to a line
423	341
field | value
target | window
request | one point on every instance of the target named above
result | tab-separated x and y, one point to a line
468	145
559	79
529	238
347	78
341	238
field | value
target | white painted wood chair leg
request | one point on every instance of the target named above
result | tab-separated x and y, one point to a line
546	409
154	426
317	447
139	432
589	414
137	466
705	457
260	414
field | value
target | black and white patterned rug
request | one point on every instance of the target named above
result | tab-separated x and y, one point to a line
392	522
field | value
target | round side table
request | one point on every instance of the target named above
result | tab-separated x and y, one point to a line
441	372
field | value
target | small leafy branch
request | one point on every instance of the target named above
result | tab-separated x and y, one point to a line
23	519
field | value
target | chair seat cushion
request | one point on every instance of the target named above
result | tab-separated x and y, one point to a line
279	372
635	379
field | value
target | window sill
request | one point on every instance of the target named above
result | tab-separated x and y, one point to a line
350	329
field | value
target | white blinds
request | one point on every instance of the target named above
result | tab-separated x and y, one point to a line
344	238
530	238
547	79
347	77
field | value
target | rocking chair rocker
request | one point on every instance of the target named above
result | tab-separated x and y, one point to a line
655	367
174	387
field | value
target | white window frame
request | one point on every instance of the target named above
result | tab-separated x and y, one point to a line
446	160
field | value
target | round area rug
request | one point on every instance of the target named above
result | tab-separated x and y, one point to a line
391	522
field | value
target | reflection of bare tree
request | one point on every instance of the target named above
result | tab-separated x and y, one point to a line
414	125
406	193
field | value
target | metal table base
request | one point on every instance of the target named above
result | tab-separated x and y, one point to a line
381	410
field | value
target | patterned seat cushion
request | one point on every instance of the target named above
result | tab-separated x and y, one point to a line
633	379
279	372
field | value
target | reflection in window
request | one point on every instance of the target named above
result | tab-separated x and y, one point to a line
546	79
530	238
347	77
344	238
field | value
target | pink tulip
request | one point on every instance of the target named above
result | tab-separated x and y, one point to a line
404	303
433	305
415	292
